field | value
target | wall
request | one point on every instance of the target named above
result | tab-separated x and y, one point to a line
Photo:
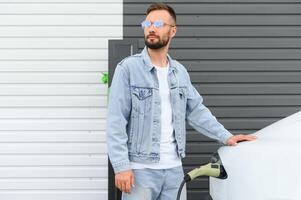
52	104
243	56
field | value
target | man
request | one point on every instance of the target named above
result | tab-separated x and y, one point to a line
151	96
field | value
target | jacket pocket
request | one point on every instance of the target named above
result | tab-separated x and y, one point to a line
142	100
182	98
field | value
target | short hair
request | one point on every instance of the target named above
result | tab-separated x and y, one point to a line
162	6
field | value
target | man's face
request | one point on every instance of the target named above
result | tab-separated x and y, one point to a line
156	38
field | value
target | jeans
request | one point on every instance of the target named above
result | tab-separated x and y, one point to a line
156	184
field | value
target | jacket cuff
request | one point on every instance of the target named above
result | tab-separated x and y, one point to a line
225	136
121	166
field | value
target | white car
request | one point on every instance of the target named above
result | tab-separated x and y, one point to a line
265	169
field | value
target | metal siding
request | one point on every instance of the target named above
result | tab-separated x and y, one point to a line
53	105
243	58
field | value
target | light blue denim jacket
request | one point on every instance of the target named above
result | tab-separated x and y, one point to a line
133	117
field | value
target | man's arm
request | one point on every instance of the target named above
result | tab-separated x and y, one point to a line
201	119
119	107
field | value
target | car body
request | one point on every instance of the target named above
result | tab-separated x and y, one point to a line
265	169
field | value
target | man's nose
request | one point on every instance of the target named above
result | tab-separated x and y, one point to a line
151	32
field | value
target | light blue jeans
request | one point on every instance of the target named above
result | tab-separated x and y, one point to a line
156	184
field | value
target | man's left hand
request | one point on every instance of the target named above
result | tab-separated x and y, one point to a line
232	141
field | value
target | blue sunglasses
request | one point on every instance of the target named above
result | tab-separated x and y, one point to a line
157	24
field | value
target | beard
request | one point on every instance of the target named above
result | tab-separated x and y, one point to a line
157	45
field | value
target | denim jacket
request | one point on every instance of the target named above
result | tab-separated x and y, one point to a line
133	117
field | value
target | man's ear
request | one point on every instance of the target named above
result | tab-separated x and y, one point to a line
173	32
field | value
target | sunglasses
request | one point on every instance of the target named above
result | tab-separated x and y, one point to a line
157	24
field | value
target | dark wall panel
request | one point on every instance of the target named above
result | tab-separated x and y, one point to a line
243	56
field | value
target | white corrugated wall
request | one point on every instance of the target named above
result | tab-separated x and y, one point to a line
52	102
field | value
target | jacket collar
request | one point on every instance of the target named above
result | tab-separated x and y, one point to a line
148	64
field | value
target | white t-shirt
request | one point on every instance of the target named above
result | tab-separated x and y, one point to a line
168	152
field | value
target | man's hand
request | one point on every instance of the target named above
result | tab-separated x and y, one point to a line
232	141
124	181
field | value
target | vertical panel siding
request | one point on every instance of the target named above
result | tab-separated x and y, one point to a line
53	105
244	57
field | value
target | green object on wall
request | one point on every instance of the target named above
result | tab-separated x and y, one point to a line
105	78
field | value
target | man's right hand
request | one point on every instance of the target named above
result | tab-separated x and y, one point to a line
124	181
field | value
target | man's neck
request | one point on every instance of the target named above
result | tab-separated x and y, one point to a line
158	56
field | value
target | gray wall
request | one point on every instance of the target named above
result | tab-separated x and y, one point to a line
244	57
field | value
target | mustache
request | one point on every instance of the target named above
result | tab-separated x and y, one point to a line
152	35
